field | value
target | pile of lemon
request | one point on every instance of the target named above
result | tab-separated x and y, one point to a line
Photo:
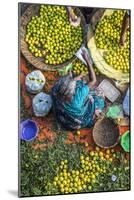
51	36
107	37
80	68
83	178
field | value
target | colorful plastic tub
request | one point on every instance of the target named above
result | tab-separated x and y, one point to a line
28	130
125	141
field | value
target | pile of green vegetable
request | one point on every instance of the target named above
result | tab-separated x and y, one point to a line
51	36
39	169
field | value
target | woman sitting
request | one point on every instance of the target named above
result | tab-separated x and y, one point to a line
75	102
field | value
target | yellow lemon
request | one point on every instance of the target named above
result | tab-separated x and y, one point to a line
112	150
64	182
66	189
89	187
108	151
79	188
78	132
62	190
114	155
71	184
88	180
75	190
82	161
86	144
93	176
70	190
86	163
61	179
84	186
107	156
93	181
87	158
82	175
81	157
77	172
97	149
96	154
55	183
56	178
91	153
100	153
61	186
75	184
78	183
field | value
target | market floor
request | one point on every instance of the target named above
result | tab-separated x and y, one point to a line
53	145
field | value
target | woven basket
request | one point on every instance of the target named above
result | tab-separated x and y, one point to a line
98	54
39	62
106	133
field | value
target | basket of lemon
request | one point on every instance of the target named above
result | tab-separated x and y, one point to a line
47	39
78	67
111	59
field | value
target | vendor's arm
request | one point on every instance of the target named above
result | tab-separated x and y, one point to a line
125	25
92	75
74	20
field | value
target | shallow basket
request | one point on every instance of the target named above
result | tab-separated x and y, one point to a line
106	133
39	62
98	54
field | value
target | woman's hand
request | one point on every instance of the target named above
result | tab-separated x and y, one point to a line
74	20
122	39
70	73
85	56
92	75
125	25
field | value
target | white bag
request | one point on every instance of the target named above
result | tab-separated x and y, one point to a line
35	81
42	104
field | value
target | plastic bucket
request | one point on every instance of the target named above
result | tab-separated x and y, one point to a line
125	141
126	103
28	130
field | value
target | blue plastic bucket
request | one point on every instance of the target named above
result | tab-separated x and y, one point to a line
28	130
126	103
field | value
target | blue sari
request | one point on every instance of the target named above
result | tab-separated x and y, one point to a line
79	113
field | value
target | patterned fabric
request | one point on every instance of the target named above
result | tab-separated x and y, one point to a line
79	112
